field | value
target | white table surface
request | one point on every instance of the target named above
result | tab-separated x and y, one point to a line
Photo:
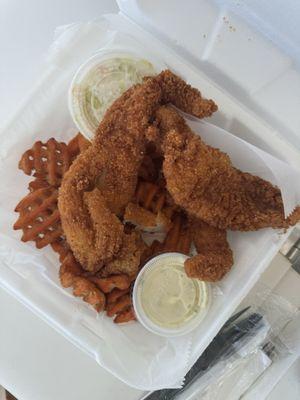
37	363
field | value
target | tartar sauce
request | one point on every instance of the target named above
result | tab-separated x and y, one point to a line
167	296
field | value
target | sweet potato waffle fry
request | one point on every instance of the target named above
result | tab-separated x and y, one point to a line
86	289
97	291
72	275
115	294
77	145
39	217
150	196
69	270
121	309
120	305
125	316
154	197
178	239
61	247
37	184
48	161
108	284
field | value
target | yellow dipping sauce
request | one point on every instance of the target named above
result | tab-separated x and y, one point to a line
167	296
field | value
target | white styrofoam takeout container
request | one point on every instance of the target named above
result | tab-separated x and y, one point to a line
258	102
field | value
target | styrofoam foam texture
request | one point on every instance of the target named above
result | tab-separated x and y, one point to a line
36	285
250	48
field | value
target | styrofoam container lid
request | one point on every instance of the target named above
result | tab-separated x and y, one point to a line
250	48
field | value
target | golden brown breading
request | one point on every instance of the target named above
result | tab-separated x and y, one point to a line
115	294
106	285
102	220
82	287
209	267
69	269
214	257
188	99
128	259
121	304
202	180
112	162
61	247
206	237
125	316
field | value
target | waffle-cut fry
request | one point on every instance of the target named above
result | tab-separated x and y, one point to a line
125	316
38	183
48	161
39	217
150	196
156	248
158	205
82	287
77	145
185	241
121	304
172	239
61	247
178	239
115	294
112	282
69	269
155	198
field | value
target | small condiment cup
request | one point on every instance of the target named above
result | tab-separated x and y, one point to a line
156	282
101	80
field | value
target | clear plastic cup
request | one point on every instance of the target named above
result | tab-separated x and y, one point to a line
101	80
165	300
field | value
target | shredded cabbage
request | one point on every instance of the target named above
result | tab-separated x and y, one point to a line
104	83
